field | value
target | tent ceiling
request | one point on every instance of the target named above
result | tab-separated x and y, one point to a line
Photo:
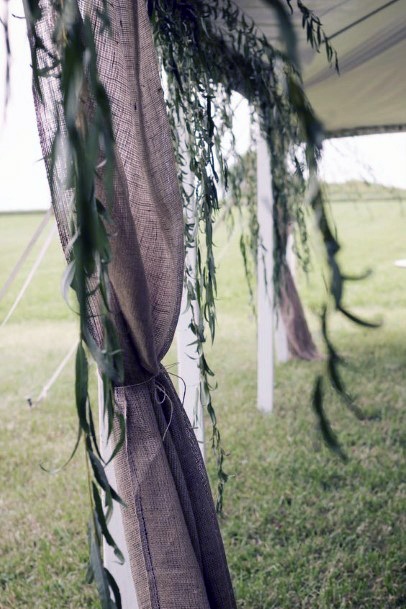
370	39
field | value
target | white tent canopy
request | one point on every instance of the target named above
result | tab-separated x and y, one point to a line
369	96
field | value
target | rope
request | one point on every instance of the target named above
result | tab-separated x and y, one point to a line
31	273
361	19
53	378
25	253
165	396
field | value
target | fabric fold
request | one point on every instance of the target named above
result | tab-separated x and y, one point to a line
161	474
173	539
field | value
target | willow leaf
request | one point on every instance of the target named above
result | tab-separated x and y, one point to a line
358	320
114	588
96	565
327	433
121	440
101	517
359	277
73	453
81	386
101	478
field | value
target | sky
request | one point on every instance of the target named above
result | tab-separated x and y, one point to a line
23	184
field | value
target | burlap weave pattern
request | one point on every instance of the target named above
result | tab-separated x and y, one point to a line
174	543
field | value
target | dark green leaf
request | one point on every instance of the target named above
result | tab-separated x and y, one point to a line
101	478
327	433
103	523
357	320
81	386
114	588
96	564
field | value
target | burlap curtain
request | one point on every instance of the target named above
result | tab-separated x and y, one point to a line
176	553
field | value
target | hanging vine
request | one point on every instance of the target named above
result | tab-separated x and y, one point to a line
83	128
208	50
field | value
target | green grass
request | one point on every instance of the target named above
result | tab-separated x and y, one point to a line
301	529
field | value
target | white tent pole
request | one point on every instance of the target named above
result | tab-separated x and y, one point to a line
188	363
265	363
189	373
268	315
121	573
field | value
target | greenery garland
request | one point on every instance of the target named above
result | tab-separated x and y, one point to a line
81	134
208	49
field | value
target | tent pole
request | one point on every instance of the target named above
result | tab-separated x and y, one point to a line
189	373
265	363
188	363
121	573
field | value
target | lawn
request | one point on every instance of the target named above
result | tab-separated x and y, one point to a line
302	529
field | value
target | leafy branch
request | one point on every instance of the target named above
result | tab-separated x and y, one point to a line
83	129
209	50
316	34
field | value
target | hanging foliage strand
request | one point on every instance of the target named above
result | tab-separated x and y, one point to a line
208	50
83	129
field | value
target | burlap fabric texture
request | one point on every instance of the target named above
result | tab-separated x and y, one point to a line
174	543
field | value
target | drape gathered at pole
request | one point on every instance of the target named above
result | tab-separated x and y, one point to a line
174	544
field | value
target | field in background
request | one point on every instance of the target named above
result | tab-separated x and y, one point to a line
302	530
